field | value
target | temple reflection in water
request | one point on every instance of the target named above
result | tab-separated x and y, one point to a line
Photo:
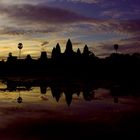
66	89
57	89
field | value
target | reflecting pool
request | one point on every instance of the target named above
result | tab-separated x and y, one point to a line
40	109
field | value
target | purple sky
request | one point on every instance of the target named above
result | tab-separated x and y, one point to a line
97	23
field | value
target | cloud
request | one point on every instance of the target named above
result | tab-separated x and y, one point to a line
129	26
127	45
37	13
112	13
27	30
116	13
120	26
36	21
12	2
132	43
12	31
131	39
53	19
84	1
47	1
45	43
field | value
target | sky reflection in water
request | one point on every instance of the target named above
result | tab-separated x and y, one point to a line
42	109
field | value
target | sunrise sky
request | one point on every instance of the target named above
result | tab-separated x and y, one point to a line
40	24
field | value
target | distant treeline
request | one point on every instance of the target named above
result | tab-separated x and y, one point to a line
74	65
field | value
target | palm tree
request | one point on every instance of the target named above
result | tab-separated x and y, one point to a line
116	46
20	46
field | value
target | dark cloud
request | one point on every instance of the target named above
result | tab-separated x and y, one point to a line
126	26
124	47
131	44
13	31
103	55
78	43
107	47
128	45
132	39
131	26
44	43
23	31
38	13
74	43
44	15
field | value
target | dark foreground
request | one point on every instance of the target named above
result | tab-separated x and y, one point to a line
67	123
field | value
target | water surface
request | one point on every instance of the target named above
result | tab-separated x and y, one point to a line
65	112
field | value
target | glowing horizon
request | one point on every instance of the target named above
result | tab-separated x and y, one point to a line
97	23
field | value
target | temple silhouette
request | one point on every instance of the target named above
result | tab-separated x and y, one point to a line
73	65
120	73
74	74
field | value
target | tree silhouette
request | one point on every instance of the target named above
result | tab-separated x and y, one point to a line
10	54
116	46
28	57
11	58
20	46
